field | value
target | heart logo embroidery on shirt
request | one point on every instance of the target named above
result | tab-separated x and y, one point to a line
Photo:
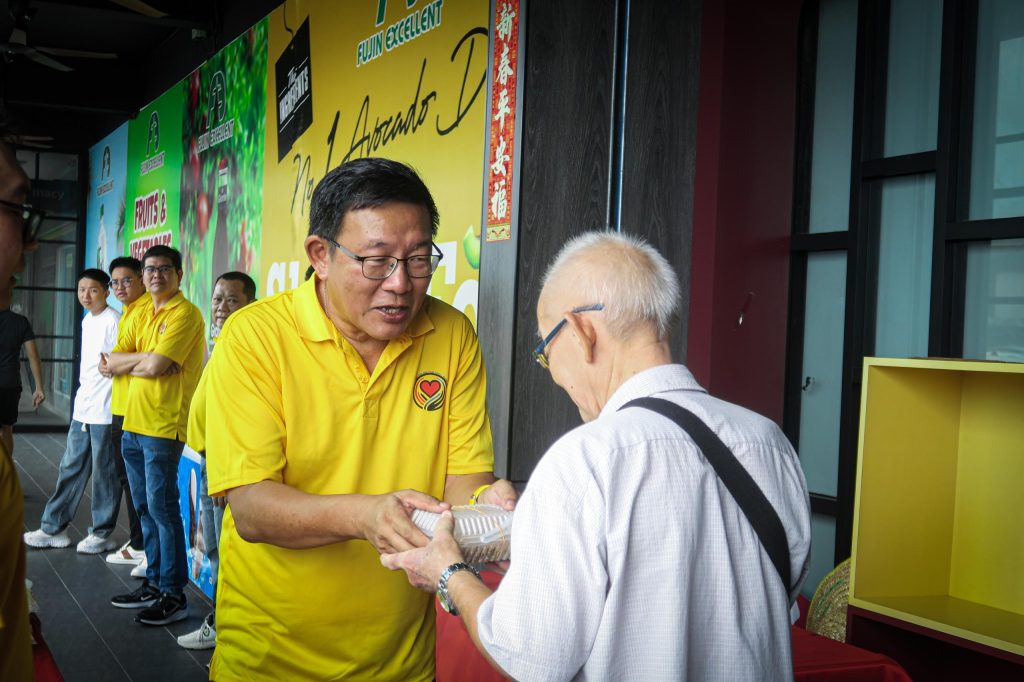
428	391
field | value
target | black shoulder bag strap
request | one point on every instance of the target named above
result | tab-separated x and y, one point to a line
760	513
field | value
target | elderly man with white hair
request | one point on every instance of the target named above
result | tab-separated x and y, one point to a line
636	554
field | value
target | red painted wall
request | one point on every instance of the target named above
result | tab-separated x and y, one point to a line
742	204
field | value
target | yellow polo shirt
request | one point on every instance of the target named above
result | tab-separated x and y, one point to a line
15	633
119	388
294	403
158	406
196	436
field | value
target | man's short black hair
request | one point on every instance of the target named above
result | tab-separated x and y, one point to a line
366	183
248	286
126	262
96	275
163	251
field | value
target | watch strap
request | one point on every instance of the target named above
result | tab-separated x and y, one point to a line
442	585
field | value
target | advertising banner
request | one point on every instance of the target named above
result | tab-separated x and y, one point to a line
105	205
153	175
404	80
223	113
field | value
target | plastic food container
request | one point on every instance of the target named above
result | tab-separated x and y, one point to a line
482	531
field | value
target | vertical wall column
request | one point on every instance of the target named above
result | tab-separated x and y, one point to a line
609	111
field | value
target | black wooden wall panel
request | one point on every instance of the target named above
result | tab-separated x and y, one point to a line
570	145
566	128
660	135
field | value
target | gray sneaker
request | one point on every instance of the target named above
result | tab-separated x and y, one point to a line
41	539
203	638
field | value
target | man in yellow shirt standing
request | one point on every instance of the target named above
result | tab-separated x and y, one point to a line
322	402
163	352
19	225
126	283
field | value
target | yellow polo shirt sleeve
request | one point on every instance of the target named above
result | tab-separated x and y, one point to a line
470	449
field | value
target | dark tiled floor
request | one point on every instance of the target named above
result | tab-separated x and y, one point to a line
90	639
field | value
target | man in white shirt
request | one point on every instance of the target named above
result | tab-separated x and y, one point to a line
630	558
90	448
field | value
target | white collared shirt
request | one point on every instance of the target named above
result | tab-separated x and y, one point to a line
630	559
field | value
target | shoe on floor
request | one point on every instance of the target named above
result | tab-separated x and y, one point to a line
140	570
170	608
41	539
144	596
127	555
203	638
94	544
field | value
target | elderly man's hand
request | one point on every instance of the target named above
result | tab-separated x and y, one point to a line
386	521
423	566
500	493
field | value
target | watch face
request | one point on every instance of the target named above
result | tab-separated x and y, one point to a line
442	596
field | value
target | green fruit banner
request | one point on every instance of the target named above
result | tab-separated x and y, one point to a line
223	108
154	168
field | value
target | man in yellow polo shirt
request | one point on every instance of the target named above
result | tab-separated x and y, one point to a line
126	283
163	352
19	225
321	403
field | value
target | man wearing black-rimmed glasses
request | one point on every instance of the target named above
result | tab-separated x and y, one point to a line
17	235
322	402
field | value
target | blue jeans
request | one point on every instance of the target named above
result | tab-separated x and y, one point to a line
152	465
213	517
89	451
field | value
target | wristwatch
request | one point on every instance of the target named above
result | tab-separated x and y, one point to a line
442	585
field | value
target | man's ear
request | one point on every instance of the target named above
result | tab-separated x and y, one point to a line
318	253
584	334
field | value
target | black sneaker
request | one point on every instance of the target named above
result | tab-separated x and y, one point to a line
168	609
145	595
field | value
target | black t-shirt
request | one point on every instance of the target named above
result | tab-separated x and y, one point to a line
15	330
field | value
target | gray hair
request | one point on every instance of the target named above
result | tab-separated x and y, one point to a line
625	273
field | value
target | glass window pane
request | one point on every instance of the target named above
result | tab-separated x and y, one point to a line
833	116
59	230
823	552
994	306
903	298
997	156
912	85
27	160
58	166
824	322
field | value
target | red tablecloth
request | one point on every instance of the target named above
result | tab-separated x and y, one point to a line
815	658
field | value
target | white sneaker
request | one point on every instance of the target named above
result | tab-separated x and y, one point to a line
203	638
127	555
93	544
41	539
140	570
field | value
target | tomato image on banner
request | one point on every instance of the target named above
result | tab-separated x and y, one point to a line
224	113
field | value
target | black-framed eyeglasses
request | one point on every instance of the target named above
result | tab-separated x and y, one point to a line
32	216
382	267
538	353
124	281
164	270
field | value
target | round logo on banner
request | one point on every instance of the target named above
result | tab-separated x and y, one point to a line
428	391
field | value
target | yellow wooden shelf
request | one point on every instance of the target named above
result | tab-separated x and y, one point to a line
938	534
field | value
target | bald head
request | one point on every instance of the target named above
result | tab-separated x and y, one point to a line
13	190
634	282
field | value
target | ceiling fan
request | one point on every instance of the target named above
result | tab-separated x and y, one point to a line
17	44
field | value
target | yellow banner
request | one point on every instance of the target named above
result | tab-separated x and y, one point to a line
376	78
